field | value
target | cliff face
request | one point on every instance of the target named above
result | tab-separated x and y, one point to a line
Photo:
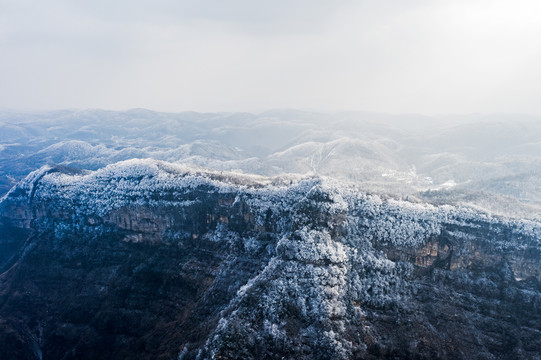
148	260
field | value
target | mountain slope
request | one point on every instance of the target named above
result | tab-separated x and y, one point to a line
404	155
146	259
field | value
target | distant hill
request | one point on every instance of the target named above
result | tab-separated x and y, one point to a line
454	158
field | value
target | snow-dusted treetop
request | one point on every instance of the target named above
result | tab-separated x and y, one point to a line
155	183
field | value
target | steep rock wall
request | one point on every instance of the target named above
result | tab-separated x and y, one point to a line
149	260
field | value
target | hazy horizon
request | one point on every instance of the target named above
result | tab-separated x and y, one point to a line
437	116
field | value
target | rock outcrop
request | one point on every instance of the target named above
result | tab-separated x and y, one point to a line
150	260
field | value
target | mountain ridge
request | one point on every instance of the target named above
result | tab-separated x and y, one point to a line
159	260
401	155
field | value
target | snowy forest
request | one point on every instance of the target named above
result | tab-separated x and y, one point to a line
487	162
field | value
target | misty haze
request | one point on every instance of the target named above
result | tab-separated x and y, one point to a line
270	180
489	162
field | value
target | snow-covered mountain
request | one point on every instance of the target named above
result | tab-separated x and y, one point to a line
148	259
280	235
451	158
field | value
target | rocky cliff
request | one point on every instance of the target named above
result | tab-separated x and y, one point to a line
149	260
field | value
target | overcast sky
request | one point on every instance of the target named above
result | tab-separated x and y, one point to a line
429	57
